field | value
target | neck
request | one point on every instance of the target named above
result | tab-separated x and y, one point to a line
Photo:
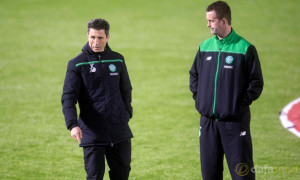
227	31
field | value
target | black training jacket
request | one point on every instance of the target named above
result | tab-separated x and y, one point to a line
99	82
225	77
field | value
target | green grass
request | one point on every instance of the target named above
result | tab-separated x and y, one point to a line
159	40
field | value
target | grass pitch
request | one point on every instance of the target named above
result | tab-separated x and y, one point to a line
159	40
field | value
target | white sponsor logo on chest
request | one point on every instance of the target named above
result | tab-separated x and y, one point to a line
228	67
92	68
208	58
114	74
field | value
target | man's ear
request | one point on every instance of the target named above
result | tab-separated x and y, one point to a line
108	36
225	21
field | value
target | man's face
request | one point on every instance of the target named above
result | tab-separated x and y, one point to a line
97	39
216	26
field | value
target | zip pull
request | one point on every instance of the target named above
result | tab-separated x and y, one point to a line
99	57
220	44
112	144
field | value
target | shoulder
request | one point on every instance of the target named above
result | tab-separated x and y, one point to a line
242	43
242	40
209	44
245	46
80	58
116	55
208	41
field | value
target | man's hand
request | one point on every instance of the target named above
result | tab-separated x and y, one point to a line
76	134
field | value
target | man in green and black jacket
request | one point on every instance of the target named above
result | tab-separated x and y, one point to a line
225	79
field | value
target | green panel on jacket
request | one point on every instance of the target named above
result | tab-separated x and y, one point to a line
231	44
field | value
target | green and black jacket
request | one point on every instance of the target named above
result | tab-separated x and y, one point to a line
225	77
100	83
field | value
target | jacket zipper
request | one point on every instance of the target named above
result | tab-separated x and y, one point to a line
111	143
103	74
216	80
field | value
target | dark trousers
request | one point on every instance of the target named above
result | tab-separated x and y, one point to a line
231	138
118	159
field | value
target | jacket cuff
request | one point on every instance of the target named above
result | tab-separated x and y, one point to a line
72	126
194	96
247	100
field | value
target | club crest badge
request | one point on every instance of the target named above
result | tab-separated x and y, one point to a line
112	68
229	59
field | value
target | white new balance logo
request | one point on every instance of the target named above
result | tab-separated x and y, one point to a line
243	133
208	58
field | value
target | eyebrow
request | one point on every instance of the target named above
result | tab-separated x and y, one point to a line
97	36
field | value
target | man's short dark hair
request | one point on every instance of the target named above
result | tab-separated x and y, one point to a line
222	10
98	24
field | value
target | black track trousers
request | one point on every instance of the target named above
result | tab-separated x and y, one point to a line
231	138
118	159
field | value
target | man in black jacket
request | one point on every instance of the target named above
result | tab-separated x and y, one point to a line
225	79
98	80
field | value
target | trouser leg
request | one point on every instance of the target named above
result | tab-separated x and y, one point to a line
94	162
237	144
211	151
118	159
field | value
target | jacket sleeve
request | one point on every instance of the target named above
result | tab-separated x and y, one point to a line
71	90
194	75
126	88
255	77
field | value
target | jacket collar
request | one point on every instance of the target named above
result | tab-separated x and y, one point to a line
87	49
228	39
